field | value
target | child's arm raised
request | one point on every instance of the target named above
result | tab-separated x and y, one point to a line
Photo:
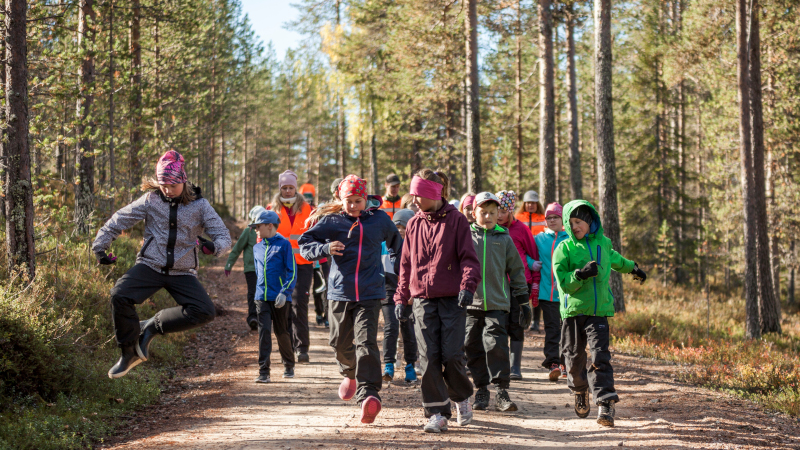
215	227
122	220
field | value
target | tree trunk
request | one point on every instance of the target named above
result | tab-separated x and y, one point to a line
136	94
59	152
606	167
18	187
547	112
472	99
84	157
373	152
112	161
772	170
752	321
575	179
791	300
222	163
518	95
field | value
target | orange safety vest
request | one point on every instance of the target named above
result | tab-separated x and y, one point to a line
535	222
292	232
391	207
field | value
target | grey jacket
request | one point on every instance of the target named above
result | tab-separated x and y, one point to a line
500	262
170	232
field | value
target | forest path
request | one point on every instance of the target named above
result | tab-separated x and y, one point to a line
213	403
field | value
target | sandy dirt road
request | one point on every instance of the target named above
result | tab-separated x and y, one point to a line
212	403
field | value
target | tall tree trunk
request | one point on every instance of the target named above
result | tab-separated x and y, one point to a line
341	140
18	187
112	158
575	179
772	170
606	167
222	163
59	151
770	309
84	188
518	95
373	152
473	103
136	93
790	299
752	321
547	112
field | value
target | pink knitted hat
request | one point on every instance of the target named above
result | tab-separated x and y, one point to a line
554	209
287	178
169	169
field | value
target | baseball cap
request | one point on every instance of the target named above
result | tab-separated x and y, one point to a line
266	217
392	180
530	196
484	197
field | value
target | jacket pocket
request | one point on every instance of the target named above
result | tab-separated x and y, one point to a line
144	247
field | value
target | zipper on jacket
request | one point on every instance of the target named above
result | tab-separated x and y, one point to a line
358	262
594	280
485	304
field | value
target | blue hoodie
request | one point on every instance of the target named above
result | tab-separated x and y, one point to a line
358	273
276	268
547	242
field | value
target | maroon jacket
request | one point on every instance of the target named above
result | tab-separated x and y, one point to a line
438	257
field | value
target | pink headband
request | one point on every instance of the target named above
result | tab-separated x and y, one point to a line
425	188
468	201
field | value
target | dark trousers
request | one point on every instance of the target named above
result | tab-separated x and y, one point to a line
576	333
391	328
320	299
515	332
440	325
354	337
486	346
139	283
272	319
299	314
537	312
251	278
552	333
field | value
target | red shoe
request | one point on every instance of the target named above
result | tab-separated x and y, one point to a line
347	389
555	372
370	408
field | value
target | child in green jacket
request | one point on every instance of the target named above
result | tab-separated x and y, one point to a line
582	266
247	240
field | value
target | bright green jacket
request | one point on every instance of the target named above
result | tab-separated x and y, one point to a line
591	297
502	272
245	243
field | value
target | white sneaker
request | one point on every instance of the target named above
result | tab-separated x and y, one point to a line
436	424
464	413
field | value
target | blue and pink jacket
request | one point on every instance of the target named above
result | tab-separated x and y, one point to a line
358	273
547	241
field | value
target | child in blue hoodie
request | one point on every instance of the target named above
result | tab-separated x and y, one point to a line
276	271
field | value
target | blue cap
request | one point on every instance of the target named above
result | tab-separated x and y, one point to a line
266	217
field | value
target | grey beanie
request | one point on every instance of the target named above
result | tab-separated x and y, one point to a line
402	217
530	196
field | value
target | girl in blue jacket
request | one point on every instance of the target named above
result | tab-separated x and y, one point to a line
350	236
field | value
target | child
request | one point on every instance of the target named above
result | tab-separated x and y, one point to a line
548	294
486	341
465	207
582	265
351	237
529	254
276	270
439	271
175	216
392	326
530	212
245	243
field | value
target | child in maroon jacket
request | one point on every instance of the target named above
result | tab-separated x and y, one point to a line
439	272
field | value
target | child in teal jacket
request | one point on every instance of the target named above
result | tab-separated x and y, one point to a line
583	264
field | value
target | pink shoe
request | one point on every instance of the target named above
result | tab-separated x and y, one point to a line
347	389
370	408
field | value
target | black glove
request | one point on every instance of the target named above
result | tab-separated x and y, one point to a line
588	271
465	298
525	312
399	312
104	259
638	274
206	245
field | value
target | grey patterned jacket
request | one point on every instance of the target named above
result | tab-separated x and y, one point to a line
170	231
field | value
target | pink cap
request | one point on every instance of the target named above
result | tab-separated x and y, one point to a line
288	178
554	209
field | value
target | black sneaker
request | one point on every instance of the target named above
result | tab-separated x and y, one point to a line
253	324
288	372
320	320
605	415
302	358
481	399
582	407
129	359
263	379
503	402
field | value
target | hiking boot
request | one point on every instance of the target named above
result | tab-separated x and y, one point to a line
515	360
388	372
327	325
370	408
436	424
411	375
481	399
288	372
302	358
146	335
503	402
605	415
347	389
555	372
464	412
534	326
130	358
263	379
582	407
253	324
320	320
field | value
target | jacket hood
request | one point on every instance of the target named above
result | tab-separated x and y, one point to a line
498	229
572	206
447	208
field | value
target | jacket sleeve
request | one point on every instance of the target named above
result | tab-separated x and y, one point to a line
403	292
215	227
533	251
291	269
470	265
237	249
618	262
565	277
394	244
313	244
515	270
122	220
